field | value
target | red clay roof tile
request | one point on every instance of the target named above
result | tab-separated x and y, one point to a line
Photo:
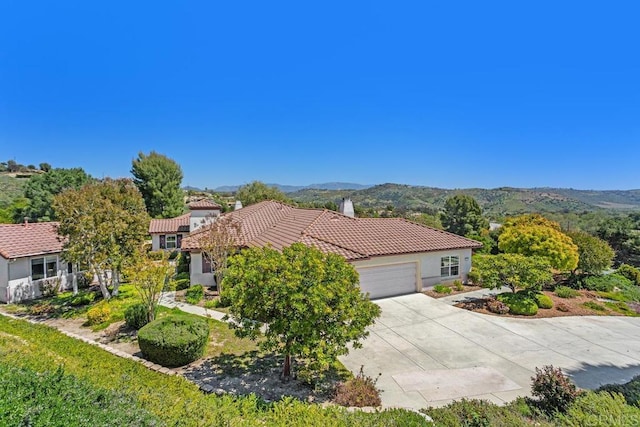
178	224
281	225
22	240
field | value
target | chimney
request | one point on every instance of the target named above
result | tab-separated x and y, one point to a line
26	221
346	207
238	205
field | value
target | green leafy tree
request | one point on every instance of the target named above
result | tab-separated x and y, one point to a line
15	212
308	302
257	192
463	216
45	167
513	270
104	223
623	234
41	189
158	178
595	255
533	235
149	278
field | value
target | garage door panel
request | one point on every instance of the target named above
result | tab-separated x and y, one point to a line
388	280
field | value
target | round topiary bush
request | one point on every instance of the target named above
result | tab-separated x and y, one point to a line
519	303
174	340
543	301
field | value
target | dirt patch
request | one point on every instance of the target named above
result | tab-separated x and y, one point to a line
561	306
256	373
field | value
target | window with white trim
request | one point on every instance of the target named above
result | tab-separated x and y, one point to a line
44	268
171	241
449	266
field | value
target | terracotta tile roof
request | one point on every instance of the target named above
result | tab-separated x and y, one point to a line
281	225
178	224
38	238
204	204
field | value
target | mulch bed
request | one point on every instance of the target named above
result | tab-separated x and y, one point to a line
574	307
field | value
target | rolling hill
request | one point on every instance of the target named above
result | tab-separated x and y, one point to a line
495	202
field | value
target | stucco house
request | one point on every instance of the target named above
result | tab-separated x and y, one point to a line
30	258
392	255
167	234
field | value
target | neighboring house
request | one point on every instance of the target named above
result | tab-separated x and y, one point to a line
167	234
392	255
30	259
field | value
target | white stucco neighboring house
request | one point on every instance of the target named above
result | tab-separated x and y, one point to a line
167	234
392	255
30	260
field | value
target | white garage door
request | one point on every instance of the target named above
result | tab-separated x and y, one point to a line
388	280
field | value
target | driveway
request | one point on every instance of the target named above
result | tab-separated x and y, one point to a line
430	353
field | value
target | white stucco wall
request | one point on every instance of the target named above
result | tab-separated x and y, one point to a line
431	267
201	217
20	286
4	278
196	274
155	242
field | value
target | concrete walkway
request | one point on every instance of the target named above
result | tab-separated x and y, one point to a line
168	299
430	353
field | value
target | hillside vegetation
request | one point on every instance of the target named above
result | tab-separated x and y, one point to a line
11	188
496	203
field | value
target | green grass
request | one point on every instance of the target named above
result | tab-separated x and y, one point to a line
173	399
622	308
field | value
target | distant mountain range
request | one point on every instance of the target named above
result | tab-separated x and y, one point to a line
294	188
497	201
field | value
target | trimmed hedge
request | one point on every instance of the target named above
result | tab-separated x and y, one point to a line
174	340
519	303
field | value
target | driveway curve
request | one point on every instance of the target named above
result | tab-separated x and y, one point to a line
430	353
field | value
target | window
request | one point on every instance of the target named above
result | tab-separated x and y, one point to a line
449	266
206	264
43	268
171	241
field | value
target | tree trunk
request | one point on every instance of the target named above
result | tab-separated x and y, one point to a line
286	370
115	280
103	286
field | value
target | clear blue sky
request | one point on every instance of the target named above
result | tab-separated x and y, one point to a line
447	94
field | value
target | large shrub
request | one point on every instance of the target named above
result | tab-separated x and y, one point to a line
606	283
630	390
174	340
630	272
519	303
553	390
136	316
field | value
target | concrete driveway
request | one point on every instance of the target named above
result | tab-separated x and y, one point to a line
430	353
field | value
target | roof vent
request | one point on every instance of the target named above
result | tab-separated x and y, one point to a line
238	205
346	207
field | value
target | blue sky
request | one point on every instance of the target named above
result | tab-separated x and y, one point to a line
446	94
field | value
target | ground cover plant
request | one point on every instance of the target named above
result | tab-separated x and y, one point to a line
172	399
54	398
